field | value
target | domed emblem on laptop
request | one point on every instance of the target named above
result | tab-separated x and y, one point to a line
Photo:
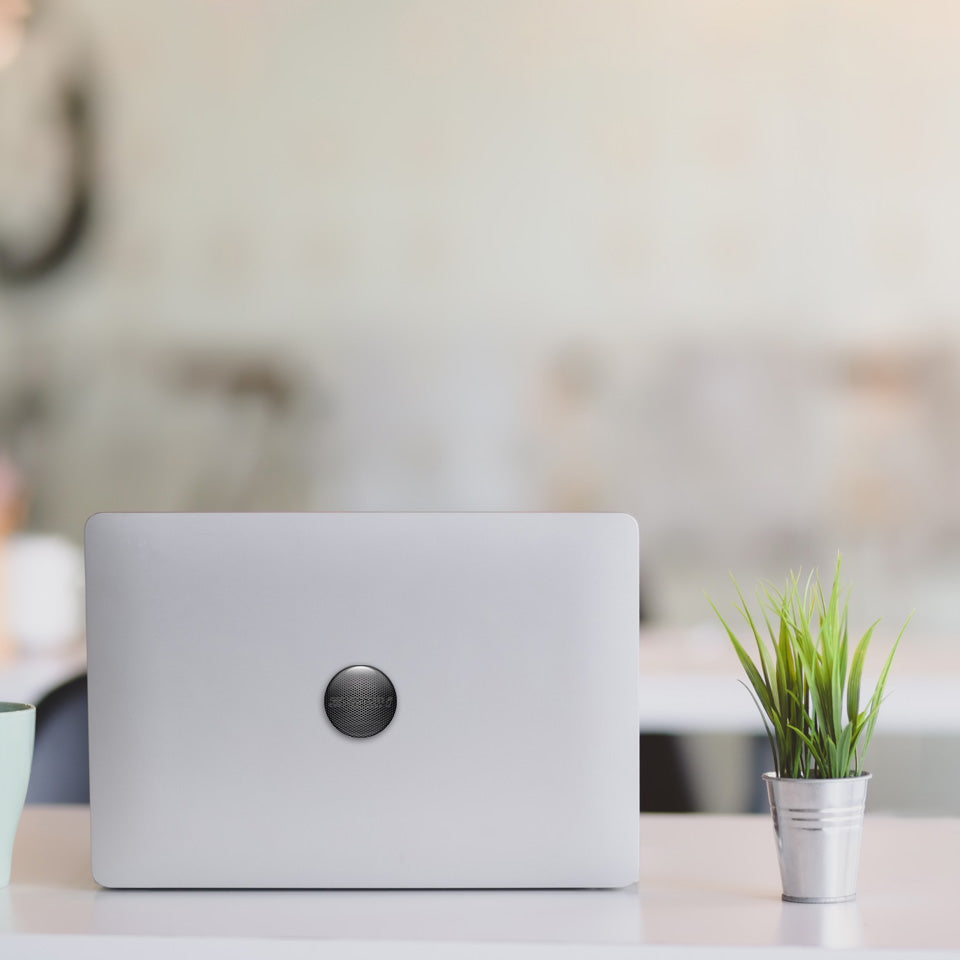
360	701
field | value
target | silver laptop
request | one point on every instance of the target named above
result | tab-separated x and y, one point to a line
363	700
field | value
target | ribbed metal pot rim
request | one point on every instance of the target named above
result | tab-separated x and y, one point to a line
770	775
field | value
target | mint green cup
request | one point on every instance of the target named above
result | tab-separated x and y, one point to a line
17	724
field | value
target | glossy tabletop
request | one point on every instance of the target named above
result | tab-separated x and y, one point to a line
708	884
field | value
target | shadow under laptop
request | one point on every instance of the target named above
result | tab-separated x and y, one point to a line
585	916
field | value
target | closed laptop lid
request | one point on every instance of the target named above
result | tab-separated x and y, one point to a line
363	700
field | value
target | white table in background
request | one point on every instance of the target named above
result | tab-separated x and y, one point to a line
688	685
708	887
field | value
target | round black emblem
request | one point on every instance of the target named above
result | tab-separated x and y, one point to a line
360	701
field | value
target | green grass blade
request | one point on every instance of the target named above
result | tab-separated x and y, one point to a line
877	698
766	663
856	672
771	737
814	748
753	674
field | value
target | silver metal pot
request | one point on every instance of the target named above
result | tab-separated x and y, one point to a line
818	825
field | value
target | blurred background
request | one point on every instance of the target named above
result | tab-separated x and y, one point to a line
694	260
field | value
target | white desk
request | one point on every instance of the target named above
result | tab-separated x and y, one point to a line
709	886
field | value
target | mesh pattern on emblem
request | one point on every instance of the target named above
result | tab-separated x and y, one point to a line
360	701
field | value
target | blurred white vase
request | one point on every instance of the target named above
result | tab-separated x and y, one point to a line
43	593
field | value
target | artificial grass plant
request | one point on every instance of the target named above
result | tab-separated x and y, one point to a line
806	683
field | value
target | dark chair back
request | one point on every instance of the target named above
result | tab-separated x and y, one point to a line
61	758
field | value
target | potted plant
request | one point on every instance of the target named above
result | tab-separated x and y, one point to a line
807	686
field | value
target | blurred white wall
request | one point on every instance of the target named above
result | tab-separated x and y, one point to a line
655	168
692	259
